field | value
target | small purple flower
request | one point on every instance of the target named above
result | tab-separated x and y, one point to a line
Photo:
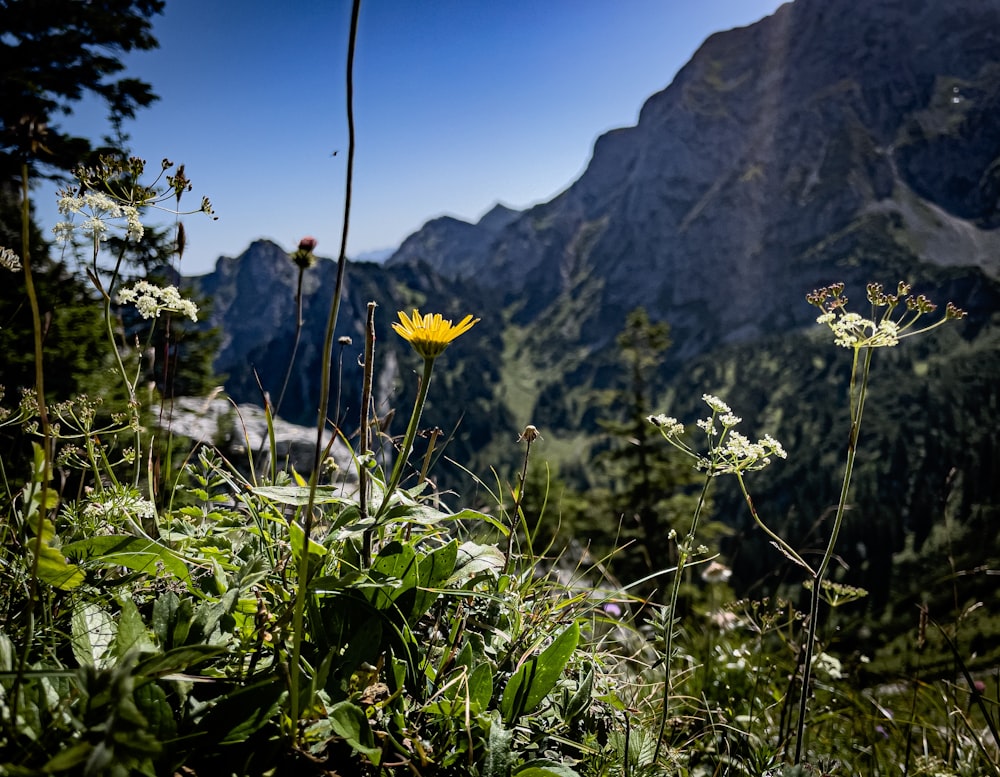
304	256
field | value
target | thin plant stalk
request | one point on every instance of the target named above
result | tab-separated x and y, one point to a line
295	671
675	588
366	432
528	437
857	398
408	438
43	418
295	344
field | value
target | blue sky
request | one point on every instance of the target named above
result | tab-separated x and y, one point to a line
459	104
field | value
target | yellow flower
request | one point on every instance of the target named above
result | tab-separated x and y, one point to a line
431	334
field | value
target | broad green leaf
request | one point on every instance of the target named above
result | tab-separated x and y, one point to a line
299	495
135	553
549	770
164	616
152	702
93	633
350	722
208	614
498	755
580	699
473	560
432	570
481	686
183	619
177	660
68	758
53	568
414	513
172	619
297	536
396	568
132	632
537	676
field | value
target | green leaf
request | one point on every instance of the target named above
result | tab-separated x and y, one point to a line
177	660
164	615
132	632
299	495
152	702
432	570
481	686
209	613
580	699
474	515
239	714
93	633
537	676
396	568
68	758
297	536
549	770
350	722
135	553
473	560
53	568
498	755
172	619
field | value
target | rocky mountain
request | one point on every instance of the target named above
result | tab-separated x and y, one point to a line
833	140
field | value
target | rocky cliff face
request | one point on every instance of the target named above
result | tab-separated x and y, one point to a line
831	140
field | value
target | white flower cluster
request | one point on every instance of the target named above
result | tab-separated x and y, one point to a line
728	450
668	426
738	454
98	210
151	300
117	505
9	260
851	330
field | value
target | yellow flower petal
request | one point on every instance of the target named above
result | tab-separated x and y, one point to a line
429	335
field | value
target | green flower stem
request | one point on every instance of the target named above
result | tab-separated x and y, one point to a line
47	442
783	546
295	348
675	588
366	433
517	513
411	433
857	401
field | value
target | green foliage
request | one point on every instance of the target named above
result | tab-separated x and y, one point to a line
51	55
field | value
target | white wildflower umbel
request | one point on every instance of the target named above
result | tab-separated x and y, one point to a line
9	260
151	300
894	316
100	213
728	451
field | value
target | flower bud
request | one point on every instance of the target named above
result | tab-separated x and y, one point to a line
530	434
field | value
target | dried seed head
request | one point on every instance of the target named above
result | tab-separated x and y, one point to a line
530	434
